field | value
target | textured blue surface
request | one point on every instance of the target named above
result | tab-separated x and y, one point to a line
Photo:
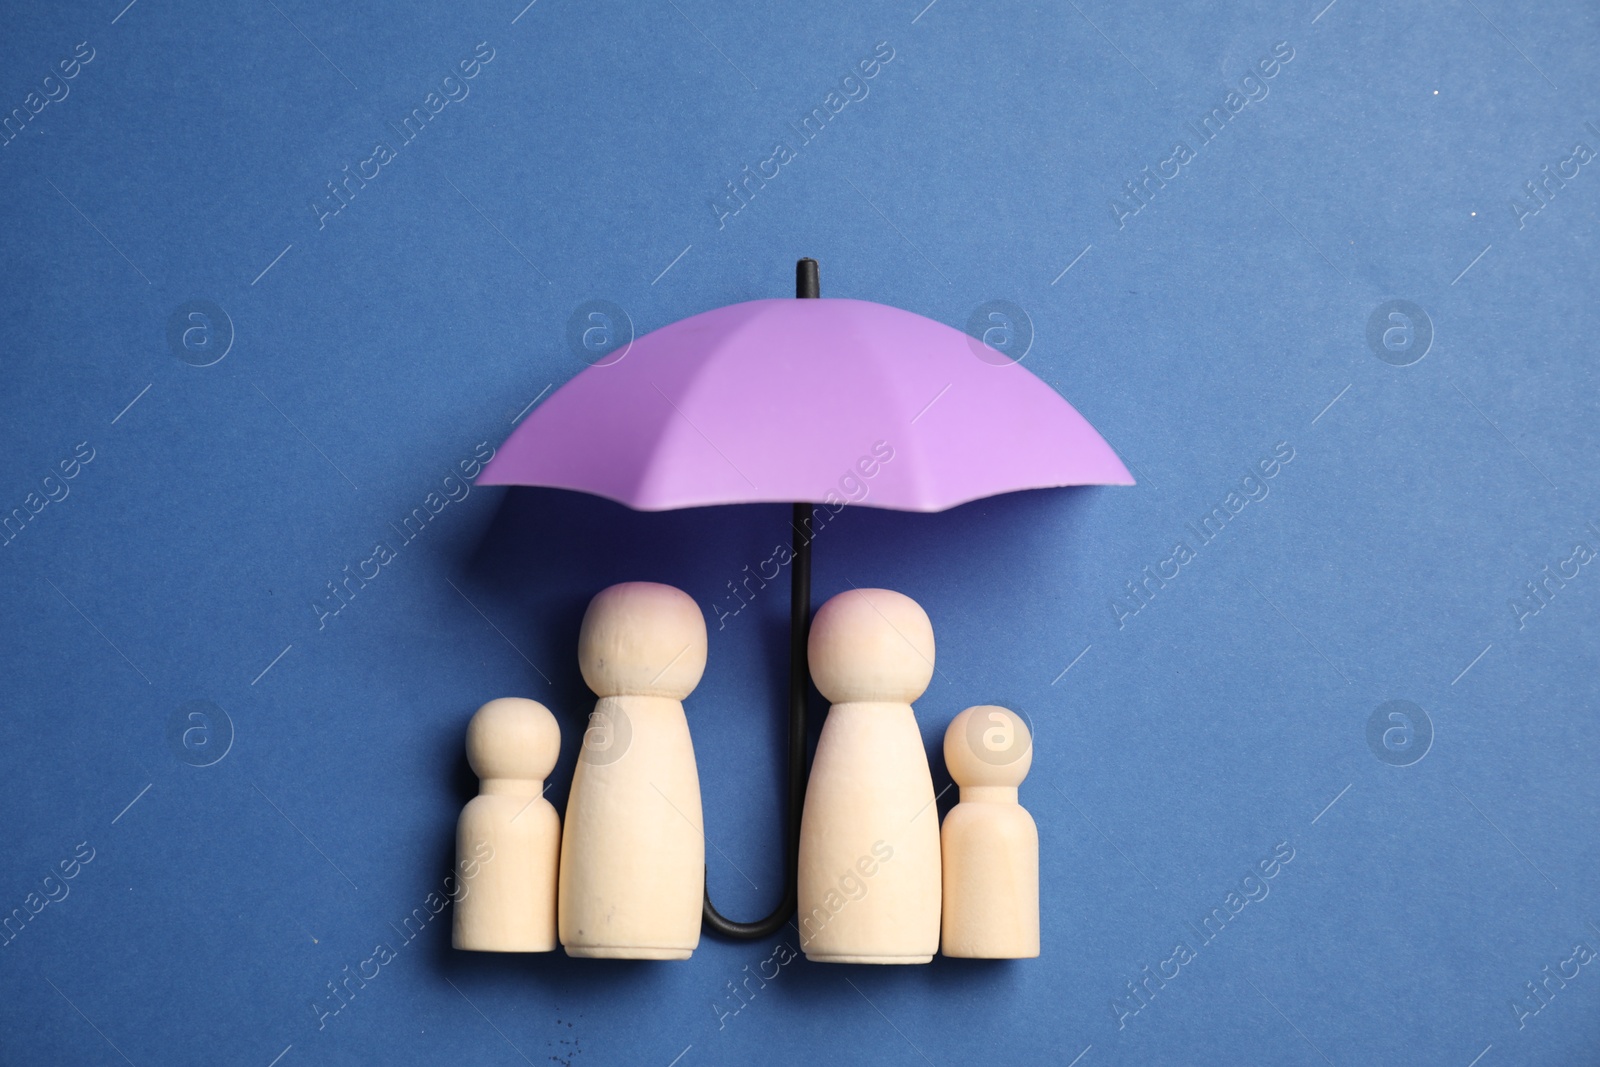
366	352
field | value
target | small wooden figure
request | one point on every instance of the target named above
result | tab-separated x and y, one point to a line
869	879
633	854
508	839
990	844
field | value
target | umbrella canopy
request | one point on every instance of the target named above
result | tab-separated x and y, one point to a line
776	400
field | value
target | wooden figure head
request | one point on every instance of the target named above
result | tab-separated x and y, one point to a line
871	645
642	639
513	738
988	745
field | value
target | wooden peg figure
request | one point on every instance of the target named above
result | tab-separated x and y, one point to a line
869	882
990	843
633	856
508	839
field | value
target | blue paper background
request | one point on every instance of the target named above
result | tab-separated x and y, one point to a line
371	354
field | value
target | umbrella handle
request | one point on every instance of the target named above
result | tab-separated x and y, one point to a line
807	286
799	679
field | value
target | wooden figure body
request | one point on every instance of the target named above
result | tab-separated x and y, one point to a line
869	878
508	839
990	843
633	852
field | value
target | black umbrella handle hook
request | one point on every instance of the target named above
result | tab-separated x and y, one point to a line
807	285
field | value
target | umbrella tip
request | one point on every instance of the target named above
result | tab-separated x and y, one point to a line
807	283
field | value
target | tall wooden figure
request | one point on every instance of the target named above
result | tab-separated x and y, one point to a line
508	838
633	856
990	844
869	836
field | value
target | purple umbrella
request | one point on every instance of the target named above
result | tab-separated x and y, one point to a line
823	401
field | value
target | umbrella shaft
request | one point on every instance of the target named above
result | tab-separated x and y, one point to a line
807	286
